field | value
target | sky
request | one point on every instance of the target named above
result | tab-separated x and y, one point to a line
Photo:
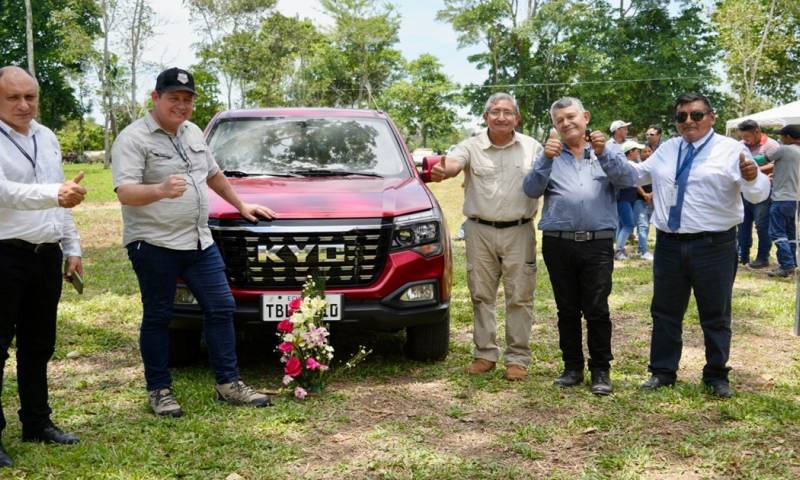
420	33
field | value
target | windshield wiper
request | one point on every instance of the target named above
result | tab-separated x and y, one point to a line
319	172
240	174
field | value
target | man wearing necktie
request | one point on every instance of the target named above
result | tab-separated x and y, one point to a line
697	182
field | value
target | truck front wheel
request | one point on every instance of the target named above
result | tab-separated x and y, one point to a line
428	342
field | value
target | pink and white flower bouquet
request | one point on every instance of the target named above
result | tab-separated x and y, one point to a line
305	352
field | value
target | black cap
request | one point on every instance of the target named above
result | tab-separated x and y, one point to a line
791	130
174	79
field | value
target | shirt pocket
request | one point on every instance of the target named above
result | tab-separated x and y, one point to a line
161	163
485	179
198	157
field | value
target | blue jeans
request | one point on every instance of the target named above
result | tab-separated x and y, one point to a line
626	224
642	213
203	271
759	214
783	232
707	266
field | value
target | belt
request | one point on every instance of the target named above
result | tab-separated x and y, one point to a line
512	223
33	247
697	235
580	236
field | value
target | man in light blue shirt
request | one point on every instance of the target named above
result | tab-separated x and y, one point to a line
579	177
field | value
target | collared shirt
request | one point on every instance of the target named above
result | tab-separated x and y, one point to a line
712	201
29	199
580	194
493	176
144	153
766	146
786	174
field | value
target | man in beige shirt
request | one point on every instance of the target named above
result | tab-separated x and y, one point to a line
499	234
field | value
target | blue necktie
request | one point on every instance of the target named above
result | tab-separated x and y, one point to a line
674	221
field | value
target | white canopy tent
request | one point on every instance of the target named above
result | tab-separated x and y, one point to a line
788	114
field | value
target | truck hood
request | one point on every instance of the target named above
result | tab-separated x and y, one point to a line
327	197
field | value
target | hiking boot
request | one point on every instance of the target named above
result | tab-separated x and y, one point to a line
781	272
758	264
163	403
239	393
515	371
480	365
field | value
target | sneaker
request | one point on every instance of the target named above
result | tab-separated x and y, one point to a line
781	272
758	264
163	403
620	255
239	393
646	256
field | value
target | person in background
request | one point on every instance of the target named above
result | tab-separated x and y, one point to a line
578	176
37	238
654	137
760	145
619	132
626	198
785	194
643	210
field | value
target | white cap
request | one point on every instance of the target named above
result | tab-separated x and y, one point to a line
629	145
618	123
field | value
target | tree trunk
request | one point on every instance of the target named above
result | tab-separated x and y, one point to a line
29	37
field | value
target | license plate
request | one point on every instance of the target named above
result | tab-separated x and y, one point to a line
275	307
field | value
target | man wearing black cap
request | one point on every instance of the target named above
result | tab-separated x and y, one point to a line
784	198
162	169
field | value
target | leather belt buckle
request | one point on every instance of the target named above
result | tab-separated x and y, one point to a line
582	236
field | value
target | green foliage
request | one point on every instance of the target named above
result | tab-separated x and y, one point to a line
78	136
423	104
762	58
62	30
207	103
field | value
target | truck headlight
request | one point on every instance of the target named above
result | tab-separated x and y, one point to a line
418	232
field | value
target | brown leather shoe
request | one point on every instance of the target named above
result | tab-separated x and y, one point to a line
515	371
480	365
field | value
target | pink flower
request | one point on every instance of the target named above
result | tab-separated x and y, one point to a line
287	379
285	347
300	393
293	367
294	305
313	364
285	326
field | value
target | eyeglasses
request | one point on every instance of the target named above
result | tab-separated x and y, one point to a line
696	116
502	113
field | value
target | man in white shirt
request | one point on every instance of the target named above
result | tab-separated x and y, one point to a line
619	131
36	233
697	182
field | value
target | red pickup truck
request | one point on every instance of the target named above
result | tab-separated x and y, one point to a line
352	208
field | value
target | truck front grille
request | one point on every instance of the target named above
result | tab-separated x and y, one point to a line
283	254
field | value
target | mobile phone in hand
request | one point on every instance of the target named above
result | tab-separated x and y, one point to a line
77	282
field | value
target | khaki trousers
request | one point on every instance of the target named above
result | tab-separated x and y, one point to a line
509	253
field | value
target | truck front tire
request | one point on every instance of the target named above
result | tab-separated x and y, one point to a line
428	342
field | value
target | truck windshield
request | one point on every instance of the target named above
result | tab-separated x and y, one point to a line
288	145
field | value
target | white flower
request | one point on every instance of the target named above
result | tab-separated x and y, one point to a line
288	338
287	379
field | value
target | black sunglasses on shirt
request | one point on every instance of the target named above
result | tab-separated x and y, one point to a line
696	116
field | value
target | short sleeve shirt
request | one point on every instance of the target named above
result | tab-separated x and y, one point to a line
493	177
145	154
786	173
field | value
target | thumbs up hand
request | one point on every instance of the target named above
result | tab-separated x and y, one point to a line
552	148
71	193
598	140
748	169
439	170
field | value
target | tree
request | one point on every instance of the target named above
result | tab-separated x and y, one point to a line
52	65
423	104
207	102
138	23
29	37
763	55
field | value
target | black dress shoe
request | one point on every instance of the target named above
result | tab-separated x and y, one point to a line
5	459
49	434
655	382
721	389
569	378
601	382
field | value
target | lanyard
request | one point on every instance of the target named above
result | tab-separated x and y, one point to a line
179	148
681	166
22	150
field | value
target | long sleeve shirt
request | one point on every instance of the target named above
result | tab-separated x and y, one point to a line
712	201
580	194
29	190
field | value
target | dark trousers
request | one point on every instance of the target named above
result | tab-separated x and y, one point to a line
707	266
580	273
783	232
758	214
30	288
203	271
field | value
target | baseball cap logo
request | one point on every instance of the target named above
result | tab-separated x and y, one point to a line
183	78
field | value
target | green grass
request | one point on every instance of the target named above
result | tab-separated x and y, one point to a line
97	181
391	418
